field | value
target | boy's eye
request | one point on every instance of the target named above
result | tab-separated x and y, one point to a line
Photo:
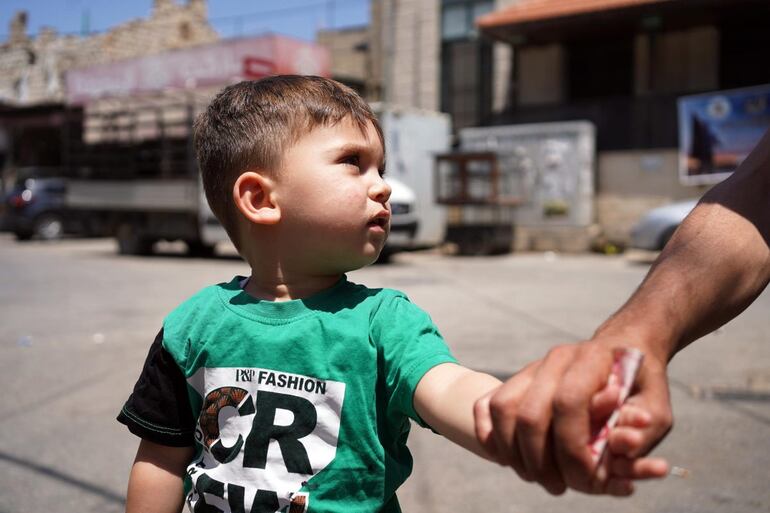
353	160
381	171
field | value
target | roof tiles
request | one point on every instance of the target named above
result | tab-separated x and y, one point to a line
539	10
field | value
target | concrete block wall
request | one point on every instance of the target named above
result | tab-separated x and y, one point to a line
408	50
346	46
629	183
411	52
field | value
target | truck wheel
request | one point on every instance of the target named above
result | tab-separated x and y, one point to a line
131	242
197	248
474	245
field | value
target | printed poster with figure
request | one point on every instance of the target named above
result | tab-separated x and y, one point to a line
718	130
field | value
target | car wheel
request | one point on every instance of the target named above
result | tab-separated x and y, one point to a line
23	235
49	227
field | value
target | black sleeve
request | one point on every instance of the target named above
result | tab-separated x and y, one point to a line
159	409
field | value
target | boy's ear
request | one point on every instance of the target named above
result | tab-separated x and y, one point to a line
253	196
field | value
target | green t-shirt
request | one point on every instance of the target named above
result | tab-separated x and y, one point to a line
301	405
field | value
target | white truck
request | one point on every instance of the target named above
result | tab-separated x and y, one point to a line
139	180
135	176
413	138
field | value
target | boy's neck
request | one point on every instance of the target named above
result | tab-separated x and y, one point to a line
284	288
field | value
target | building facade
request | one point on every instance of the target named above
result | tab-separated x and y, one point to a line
620	64
434	58
33	118
351	59
623	65
32	68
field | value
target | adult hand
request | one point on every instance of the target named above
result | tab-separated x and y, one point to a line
539	421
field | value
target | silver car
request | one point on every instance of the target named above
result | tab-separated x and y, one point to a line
657	226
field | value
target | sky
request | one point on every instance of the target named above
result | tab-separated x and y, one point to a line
231	18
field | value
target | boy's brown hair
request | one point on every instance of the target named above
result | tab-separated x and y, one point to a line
249	126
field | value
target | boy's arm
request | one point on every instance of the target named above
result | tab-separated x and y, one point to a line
155	484
445	399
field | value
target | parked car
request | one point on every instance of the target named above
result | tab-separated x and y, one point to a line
657	226
34	207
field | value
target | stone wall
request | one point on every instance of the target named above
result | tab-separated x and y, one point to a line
32	68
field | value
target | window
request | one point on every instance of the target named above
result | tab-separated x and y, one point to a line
454	24
466	81
466	63
600	68
458	18
745	39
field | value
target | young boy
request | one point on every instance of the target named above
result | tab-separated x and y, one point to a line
292	389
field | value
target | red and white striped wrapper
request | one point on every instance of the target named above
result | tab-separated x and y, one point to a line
624	369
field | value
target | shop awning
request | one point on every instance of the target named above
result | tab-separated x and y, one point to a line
528	15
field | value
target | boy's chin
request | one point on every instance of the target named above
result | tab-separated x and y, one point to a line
367	258
351	263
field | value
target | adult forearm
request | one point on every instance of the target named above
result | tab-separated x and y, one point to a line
716	264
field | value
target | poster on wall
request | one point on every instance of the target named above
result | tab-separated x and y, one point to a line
718	130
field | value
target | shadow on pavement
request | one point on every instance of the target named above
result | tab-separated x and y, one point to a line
75	482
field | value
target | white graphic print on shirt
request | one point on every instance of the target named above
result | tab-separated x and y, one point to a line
264	434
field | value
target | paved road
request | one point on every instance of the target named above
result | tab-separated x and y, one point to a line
76	321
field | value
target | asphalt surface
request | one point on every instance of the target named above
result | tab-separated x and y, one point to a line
76	321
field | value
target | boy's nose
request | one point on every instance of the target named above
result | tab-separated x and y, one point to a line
380	191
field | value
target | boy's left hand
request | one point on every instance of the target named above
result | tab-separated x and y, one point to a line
617	469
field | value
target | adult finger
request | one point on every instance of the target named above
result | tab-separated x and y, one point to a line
628	436
619	487
640	468
633	416
586	375
604	402
533	422
485	428
651	395
503	408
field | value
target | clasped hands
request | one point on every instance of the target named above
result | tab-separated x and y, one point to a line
540	421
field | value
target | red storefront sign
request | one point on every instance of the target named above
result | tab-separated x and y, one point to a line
212	65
